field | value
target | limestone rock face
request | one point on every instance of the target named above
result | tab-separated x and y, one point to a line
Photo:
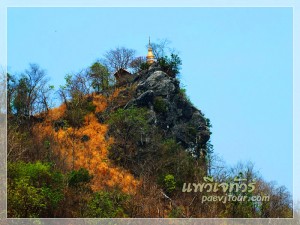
159	83
169	109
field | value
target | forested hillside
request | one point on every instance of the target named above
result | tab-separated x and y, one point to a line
119	148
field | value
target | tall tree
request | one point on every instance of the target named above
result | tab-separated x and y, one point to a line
100	77
170	65
118	58
75	94
31	93
21	101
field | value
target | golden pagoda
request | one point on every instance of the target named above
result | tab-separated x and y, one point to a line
150	56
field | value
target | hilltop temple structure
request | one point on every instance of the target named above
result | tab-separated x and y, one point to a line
123	76
150	56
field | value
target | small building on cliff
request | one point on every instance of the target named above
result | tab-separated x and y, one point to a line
124	77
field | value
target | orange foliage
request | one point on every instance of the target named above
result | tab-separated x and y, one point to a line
56	113
91	154
116	93
100	102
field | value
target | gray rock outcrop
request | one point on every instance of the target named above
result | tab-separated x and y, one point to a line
169	109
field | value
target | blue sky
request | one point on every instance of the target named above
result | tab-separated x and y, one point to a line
237	66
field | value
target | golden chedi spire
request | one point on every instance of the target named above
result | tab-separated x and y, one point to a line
150	56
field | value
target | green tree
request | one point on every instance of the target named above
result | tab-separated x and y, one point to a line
170	65
129	128
79	191
100	77
31	92
34	190
75	94
20	102
25	200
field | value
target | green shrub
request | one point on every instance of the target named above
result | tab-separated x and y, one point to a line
169	183
77	177
107	205
160	105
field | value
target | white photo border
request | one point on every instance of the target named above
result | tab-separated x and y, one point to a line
295	4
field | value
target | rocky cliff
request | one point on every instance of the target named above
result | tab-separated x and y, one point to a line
169	108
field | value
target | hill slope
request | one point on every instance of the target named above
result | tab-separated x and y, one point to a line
167	110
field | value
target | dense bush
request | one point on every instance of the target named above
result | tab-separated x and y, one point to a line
34	190
77	177
107	205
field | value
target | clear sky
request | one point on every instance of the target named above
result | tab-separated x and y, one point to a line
237	66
